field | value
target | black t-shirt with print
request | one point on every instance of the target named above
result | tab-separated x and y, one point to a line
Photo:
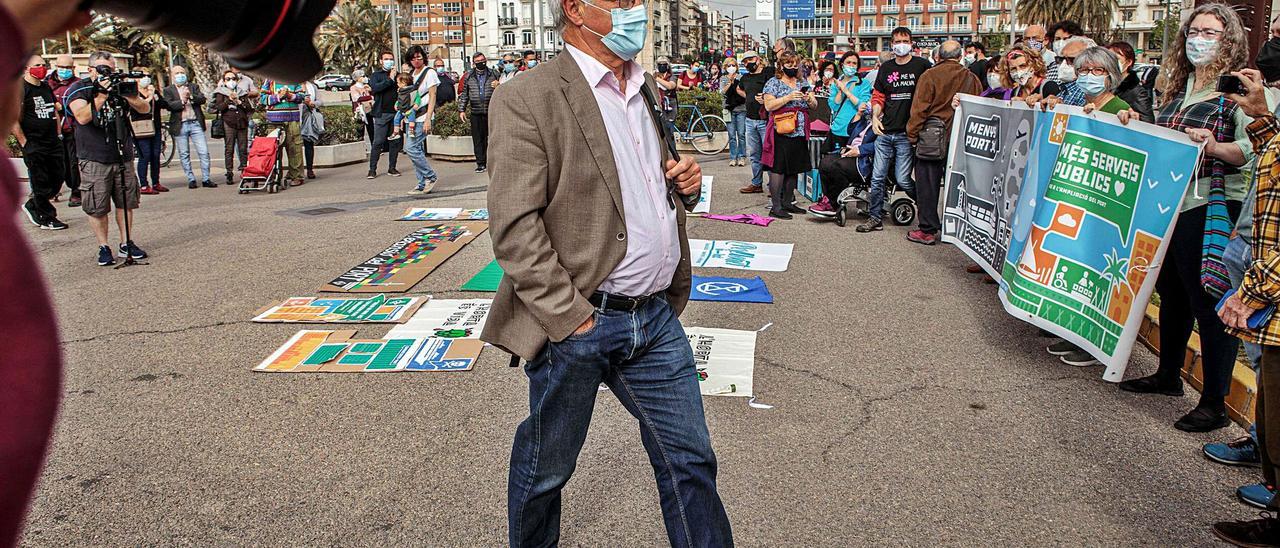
753	85
897	82
38	122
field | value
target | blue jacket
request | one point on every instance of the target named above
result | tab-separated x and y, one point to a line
867	150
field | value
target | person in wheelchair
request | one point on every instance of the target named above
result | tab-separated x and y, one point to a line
850	166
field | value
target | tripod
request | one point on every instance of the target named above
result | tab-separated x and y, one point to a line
119	114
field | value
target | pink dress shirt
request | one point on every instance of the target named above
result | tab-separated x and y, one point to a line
653	245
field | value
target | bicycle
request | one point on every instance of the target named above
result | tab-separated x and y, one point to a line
166	147
703	131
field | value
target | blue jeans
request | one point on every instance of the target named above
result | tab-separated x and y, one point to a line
1237	258
644	357
414	147
737	135
755	147
895	148
148	159
192	131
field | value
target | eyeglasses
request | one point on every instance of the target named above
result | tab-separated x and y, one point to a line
625	4
1206	33
1069	60
1096	71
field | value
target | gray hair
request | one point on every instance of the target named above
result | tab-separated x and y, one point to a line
954	52
1088	42
558	16
1104	58
99	56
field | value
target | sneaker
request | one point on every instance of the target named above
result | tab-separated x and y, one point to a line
75	200
1079	358
1153	384
779	214
1258	532
794	209
160	187
1241	452
129	248
922	237
823	208
1203	419
1061	348
479	169
372	174
208	184
192	184
32	214
104	256
54	224
147	190
1256	494
870	226
751	189
393	172
431	185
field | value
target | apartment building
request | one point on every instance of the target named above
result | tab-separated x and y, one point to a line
444	27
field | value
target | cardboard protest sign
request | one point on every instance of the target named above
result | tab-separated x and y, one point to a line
737	290
446	319
740	255
444	214
1088	226
313	351
486	280
376	309
704	198
406	262
725	359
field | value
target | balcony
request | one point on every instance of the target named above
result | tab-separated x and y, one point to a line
968	27
962	6
1127	3
913	8
867	10
508	22
820	11
939	8
889	8
935	29
988	5
819	31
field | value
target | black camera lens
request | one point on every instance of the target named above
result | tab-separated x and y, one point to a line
268	37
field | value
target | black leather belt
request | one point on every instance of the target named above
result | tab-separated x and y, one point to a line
609	301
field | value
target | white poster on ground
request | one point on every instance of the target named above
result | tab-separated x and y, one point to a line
725	359
740	255
704	201
445	319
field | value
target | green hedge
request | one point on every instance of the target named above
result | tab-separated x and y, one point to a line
446	122
711	103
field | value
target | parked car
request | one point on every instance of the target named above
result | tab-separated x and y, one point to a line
334	82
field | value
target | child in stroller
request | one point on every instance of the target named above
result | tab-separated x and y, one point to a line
846	177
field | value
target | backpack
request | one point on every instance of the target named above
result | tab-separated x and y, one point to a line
933	141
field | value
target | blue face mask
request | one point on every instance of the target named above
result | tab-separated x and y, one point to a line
180	79
65	74
508	67
630	27
743	71
1092	85
850	71
388	64
531	63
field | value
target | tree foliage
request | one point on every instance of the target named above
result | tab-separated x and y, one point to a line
1093	15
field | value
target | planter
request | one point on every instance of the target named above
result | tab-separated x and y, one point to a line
338	155
450	149
20	167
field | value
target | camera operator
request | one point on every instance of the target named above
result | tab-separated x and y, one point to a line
106	160
37	134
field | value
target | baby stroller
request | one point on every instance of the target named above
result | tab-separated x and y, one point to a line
263	171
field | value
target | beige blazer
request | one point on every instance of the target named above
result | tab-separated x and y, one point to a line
555	208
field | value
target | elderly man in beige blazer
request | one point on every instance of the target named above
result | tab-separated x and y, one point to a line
587	216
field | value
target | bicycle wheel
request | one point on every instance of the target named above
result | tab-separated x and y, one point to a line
166	148
709	135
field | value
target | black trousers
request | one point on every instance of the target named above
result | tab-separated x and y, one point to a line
1184	303
838	174
309	152
70	173
236	142
480	137
46	171
929	175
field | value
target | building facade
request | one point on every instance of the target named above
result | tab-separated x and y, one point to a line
446	28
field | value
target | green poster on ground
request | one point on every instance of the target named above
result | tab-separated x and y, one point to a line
486	280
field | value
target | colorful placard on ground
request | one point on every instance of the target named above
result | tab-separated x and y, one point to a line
736	290
725	359
1073	219
444	214
704	199
405	263
317	351
486	280
740	255
446	319
375	309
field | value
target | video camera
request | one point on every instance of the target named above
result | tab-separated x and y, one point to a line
268	37
122	83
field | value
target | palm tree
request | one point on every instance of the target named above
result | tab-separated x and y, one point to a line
355	34
1093	15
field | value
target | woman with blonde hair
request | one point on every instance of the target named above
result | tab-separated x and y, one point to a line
1210	43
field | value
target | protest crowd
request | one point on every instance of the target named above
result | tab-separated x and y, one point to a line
884	132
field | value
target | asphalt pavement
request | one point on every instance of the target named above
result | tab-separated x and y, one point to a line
909	408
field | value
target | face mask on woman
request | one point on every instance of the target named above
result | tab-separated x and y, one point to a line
230	81
751	67
850	71
829	74
1091	85
790	72
1201	51
144	82
1021	76
994	81
180	79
